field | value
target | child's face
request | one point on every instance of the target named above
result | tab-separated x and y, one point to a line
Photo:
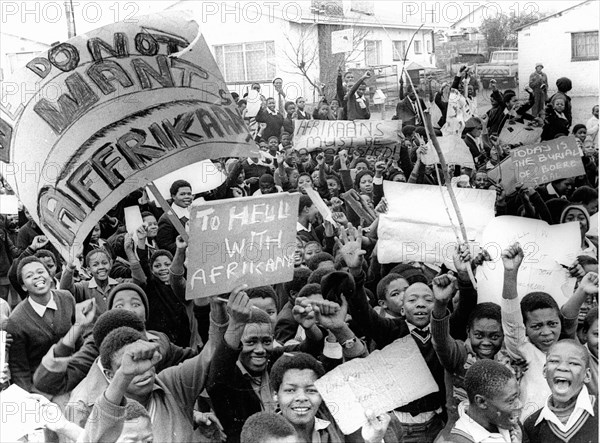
99	266
595	111
257	344
36	280
486	337
273	142
298	398
565	371
504	409
394	296
333	187
418	303
361	90
361	167
298	253
559	105
574	214
138	430
300	103
481	181
141	385
95	234
291	109
160	268
50	265
315	178
581	134
512	103
271	104
366	184
311	250
542	326
131	301
304	181
266	304
592	339
324	111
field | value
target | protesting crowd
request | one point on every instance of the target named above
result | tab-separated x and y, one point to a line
111	349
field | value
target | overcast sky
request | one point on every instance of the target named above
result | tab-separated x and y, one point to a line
45	20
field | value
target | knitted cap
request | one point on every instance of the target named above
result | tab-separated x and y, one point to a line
409	273
132	287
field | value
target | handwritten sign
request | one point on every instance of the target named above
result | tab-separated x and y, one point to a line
547	161
455	150
545	247
344	134
381	382
417	228
112	110
244	240
22	414
342	41
519	134
133	219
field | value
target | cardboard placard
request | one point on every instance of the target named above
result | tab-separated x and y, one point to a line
133	219
344	134
416	226
320	204
136	102
248	240
504	174
547	161
455	150
545	247
516	133
342	41
9	204
381	382
21	414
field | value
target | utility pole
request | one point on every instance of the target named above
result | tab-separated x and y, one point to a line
70	18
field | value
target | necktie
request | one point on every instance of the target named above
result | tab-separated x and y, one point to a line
184	220
49	317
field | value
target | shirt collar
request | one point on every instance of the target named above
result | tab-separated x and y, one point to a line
93	284
41	309
582	404
551	190
271	112
299	227
477	432
151	337
181	212
411	327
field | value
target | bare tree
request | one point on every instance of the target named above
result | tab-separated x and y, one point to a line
303	52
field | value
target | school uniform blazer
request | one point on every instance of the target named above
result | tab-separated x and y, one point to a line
406	113
274	123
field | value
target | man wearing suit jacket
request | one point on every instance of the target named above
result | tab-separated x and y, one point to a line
407	110
181	193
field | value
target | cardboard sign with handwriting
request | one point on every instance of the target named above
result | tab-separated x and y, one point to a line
381	382
248	240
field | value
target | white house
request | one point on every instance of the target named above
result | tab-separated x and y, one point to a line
256	42
566	43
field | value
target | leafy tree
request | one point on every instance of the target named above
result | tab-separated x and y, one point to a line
501	31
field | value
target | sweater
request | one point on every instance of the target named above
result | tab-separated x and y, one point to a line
274	124
32	336
584	430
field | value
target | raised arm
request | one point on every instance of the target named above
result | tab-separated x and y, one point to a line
512	319
588	286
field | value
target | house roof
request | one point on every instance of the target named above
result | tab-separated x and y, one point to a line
557	14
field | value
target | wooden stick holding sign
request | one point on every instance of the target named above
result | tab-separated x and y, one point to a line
168	211
432	137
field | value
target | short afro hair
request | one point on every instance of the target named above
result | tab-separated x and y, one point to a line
298	361
135	410
313	262
264	425
485	310
26	261
385	282
113	319
486	378
305	202
537	300
299	280
317	275
584	195
262	292
44	253
177	184
590	318
116	340
310	289
159	253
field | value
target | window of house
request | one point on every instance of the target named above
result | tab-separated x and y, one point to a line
584	46
418	49
398	49
428	44
372	52
246	62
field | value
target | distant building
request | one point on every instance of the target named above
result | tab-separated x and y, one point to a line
566	43
255	44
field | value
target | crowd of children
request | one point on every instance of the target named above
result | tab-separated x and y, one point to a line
109	340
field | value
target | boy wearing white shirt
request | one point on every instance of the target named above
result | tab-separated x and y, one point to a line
570	413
